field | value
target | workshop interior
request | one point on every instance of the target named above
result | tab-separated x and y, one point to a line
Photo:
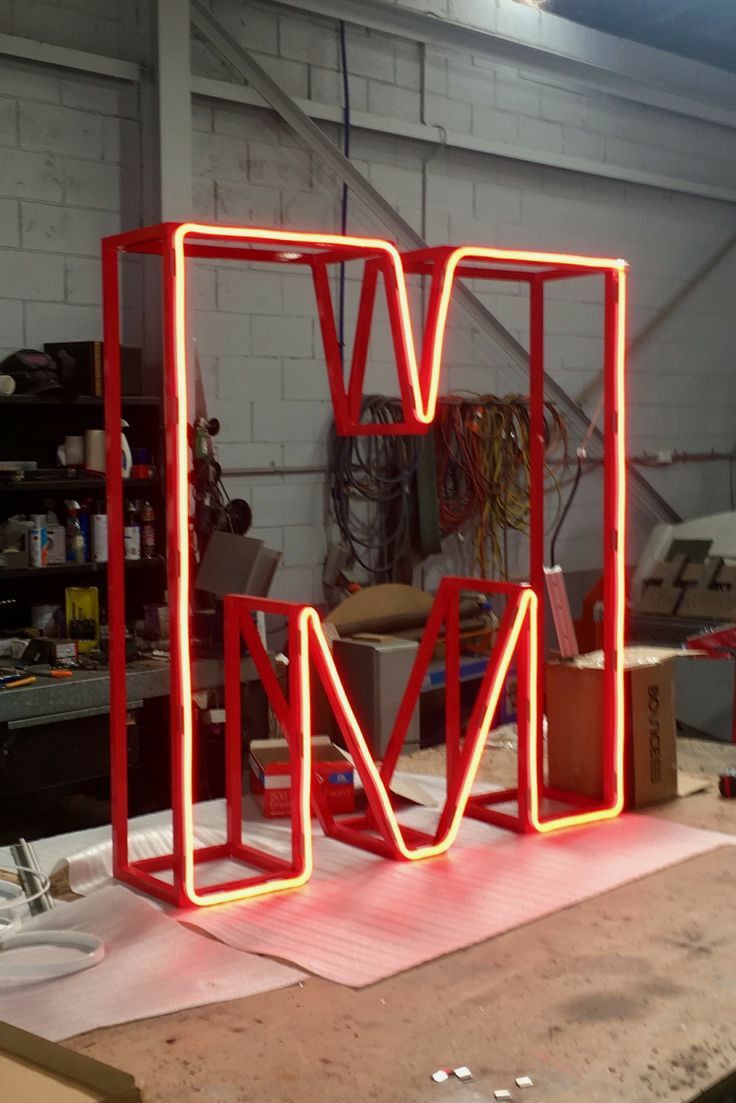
367	550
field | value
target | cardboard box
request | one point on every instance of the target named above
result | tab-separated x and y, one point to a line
235	564
33	1069
375	670
574	702
81	364
270	775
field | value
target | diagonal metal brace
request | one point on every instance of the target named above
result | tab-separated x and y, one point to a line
649	500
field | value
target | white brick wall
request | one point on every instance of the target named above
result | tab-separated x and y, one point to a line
70	162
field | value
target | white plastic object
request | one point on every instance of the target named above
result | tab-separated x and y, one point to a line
19	899
90	947
127	456
14	895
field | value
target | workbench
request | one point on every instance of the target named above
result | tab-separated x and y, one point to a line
87	692
627	996
56	733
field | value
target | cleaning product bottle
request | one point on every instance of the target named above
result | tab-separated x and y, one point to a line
132	532
148	531
74	537
127	457
99	534
85	524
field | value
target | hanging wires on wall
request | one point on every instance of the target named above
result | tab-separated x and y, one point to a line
482	446
371	489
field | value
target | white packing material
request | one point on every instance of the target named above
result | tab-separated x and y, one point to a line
362	918
151	967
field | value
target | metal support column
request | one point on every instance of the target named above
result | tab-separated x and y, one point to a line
174	109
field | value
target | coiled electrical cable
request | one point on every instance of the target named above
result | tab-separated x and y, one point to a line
370	486
483	466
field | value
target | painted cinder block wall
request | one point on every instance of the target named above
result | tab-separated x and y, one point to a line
78	162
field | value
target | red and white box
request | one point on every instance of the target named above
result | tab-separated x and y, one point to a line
270	775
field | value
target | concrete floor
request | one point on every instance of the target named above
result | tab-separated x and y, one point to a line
629	996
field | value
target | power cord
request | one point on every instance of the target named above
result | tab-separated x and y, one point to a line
581	456
370	487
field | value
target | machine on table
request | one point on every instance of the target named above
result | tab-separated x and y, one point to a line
685	586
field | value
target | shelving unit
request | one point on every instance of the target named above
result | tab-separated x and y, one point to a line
72	570
53	486
32	428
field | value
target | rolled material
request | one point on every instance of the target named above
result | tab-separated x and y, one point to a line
94	450
402	622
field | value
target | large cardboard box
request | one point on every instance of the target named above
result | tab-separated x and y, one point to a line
33	1070
375	671
575	710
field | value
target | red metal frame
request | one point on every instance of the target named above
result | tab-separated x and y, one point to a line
522	626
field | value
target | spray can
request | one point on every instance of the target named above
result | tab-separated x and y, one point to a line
38	546
74	537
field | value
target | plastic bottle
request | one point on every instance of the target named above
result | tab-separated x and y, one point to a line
132	533
99	534
85	525
74	537
148	531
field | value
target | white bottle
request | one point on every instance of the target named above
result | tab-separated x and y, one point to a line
99	537
132	533
127	456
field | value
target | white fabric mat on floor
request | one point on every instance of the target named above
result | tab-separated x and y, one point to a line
362	918
151	967
380	918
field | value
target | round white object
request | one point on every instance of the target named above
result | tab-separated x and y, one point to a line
89	951
18	898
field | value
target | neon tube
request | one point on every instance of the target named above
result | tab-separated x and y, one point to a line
618	612
309	622
424	407
181	517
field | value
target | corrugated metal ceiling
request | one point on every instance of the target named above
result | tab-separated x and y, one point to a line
702	29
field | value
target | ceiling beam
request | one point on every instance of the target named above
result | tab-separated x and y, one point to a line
446	34
173	74
229	92
27	49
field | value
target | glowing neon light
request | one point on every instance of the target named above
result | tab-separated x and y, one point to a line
422	385
181	521
619	607
376	790
435	340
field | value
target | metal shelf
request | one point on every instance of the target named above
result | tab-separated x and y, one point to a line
64	569
74	400
44	486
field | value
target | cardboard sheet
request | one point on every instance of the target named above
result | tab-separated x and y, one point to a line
151	967
22	1081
